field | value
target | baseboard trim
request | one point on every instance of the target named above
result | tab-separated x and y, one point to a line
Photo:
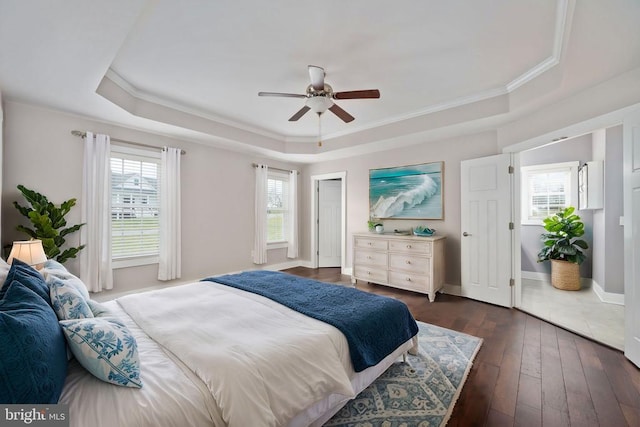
604	296
608	297
535	275
282	265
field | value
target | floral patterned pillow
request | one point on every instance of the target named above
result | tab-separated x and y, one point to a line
106	348
67	301
54	270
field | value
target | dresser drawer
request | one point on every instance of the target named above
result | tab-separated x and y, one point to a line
371	258
411	246
377	244
410	281
370	274
410	263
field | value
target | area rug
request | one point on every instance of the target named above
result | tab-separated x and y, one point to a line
419	392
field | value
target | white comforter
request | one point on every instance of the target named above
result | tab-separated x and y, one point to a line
236	348
171	395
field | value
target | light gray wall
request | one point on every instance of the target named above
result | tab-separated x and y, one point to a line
575	149
1	151
599	142
613	195
38	140
217	191
451	151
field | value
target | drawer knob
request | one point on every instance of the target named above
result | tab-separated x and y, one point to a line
368	256
369	273
369	243
408	279
408	262
408	246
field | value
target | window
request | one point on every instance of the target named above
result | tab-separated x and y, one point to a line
277	207
547	189
135	207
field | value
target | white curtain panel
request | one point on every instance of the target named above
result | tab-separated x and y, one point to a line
292	246
170	222
95	258
260	227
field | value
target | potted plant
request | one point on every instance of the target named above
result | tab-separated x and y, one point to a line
375	226
563	248
49	224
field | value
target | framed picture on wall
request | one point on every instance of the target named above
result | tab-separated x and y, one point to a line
407	192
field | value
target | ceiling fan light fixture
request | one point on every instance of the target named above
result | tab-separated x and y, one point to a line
319	104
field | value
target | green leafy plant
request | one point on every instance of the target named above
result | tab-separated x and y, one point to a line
372	224
48	223
561	240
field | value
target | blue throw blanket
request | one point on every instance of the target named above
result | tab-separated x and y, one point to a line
373	325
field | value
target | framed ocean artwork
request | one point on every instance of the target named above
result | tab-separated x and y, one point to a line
407	192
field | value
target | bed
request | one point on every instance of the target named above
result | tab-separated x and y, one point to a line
215	354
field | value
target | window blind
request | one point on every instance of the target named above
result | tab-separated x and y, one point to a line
277	207
135	207
548	193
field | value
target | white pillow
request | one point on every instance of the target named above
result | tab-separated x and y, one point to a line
4	270
53	269
99	310
106	348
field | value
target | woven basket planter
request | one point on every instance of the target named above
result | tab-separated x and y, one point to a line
565	275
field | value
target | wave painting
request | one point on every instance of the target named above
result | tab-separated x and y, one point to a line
408	192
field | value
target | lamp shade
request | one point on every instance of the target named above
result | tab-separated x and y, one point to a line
30	252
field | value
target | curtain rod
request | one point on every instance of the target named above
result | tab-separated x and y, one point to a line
139	144
255	165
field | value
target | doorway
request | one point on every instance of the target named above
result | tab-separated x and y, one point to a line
593	311
328	220
606	121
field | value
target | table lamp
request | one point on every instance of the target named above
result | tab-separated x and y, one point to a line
30	252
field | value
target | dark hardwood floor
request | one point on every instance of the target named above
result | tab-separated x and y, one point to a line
528	372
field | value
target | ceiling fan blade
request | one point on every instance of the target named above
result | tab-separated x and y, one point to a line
299	114
346	117
286	95
357	94
316	75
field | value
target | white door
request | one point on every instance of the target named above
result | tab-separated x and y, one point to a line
631	141
486	238
329	223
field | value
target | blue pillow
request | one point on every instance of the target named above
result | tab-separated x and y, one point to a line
106	348
33	355
29	277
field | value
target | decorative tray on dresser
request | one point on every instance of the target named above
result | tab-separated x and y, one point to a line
406	262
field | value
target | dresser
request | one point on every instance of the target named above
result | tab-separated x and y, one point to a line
406	262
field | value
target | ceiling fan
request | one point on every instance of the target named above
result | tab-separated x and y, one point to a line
319	96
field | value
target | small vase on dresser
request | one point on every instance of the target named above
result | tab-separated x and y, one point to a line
406	262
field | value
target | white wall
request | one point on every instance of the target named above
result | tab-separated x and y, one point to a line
217	191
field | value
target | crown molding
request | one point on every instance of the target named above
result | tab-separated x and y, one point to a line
563	19
155	99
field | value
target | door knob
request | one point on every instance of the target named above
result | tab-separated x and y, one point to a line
465	234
